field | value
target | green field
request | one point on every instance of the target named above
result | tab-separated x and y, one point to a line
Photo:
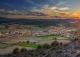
2	45
49	36
2	26
33	45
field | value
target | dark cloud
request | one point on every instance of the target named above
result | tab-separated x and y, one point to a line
36	14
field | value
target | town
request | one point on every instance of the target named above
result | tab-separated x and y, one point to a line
25	32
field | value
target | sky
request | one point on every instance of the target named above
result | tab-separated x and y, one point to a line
40	9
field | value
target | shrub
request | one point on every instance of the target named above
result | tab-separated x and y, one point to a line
28	42
19	41
76	39
52	44
34	42
55	38
55	43
23	41
46	46
61	43
23	50
16	50
39	46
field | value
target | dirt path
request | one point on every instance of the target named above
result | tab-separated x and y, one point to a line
50	41
13	40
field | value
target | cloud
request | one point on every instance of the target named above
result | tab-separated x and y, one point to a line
45	6
30	1
24	6
37	15
59	3
38	4
53	8
52	11
2	10
7	4
46	10
9	12
15	11
34	10
65	8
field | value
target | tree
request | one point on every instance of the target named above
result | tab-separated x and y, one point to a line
52	44
39	46
61	43
16	50
55	43
23	41
55	38
6	26
28	42
46	46
76	39
23	50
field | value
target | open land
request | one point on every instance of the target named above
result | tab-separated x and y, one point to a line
12	37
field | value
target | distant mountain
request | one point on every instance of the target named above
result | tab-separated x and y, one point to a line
40	22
